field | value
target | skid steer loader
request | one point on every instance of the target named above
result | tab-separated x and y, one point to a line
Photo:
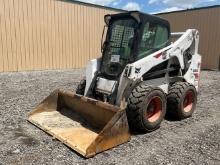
145	70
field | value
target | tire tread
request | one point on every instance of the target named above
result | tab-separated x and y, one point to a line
135	101
174	99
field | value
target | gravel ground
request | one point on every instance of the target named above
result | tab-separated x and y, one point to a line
191	141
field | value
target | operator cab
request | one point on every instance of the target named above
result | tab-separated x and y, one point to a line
131	36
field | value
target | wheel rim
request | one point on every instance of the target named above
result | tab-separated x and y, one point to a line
188	101
154	109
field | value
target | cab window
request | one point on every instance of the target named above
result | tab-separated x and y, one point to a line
154	37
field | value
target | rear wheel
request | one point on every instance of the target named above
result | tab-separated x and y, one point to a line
181	100
146	108
81	87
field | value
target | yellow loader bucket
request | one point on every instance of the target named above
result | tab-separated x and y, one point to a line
86	125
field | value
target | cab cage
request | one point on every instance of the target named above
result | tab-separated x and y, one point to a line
140	17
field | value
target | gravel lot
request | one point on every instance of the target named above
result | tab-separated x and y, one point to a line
192	141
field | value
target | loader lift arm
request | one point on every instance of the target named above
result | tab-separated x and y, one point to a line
176	49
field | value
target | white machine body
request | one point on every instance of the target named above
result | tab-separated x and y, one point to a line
174	53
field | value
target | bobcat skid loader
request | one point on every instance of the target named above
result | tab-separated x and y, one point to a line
144	72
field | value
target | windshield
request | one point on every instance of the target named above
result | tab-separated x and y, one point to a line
118	46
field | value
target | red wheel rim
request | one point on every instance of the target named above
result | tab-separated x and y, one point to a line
154	109
188	101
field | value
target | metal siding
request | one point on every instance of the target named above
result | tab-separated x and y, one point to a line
2	57
207	21
48	34
53	34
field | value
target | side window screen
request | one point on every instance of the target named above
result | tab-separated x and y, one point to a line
154	37
122	31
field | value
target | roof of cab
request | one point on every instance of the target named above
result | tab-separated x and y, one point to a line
141	17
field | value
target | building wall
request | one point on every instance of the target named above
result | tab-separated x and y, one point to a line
48	34
62	34
207	21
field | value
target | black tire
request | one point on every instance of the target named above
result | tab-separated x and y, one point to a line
181	100
81	87
140	109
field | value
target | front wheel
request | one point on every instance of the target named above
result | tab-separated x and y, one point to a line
146	108
81	87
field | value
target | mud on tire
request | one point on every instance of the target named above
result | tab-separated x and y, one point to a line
81	87
146	108
181	100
